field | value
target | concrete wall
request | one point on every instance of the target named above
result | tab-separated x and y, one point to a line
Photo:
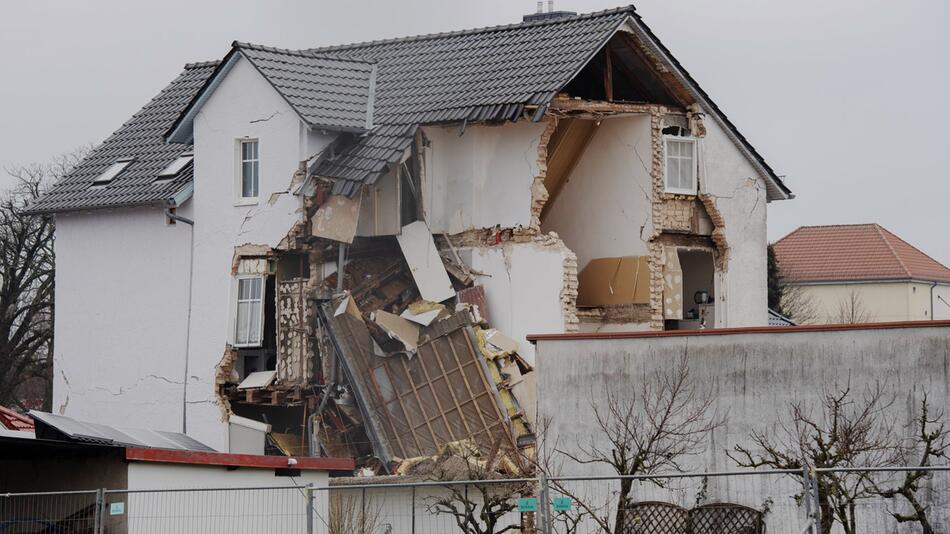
393	509
121	314
740	197
752	377
482	178
244	105
604	208
880	301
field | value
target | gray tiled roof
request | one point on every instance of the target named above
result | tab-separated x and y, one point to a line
483	74
326	92
140	138
382	90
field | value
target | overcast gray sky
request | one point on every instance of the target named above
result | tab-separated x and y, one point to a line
846	98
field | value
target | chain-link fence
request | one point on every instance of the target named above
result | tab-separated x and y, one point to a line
738	502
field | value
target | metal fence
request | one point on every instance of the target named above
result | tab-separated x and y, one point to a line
659	504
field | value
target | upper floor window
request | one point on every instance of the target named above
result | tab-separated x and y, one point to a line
680	165
250	169
114	170
249	319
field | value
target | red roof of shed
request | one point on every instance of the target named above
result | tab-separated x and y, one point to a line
853	252
14	421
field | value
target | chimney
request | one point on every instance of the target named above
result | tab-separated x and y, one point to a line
550	14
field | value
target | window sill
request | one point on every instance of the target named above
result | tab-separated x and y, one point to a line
246	202
680	193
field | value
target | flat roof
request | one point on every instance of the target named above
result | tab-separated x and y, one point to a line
238	460
745	330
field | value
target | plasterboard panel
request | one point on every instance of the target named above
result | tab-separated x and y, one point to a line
425	263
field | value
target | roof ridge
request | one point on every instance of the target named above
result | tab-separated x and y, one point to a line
202	64
880	232
921	252
306	52
630	8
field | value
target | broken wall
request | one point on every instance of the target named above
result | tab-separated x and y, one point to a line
739	196
244	105
121	281
524	288
603	210
481	178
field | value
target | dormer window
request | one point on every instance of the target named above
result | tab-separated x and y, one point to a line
680	175
114	170
175	167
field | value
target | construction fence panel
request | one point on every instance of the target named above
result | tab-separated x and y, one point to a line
428	508
208	511
73	512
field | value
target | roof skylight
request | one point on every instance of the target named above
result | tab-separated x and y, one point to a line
114	170
176	166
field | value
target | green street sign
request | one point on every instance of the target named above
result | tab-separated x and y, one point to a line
563	504
527	505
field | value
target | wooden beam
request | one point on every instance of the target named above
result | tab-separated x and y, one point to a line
608	74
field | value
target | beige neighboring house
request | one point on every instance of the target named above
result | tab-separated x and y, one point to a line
860	273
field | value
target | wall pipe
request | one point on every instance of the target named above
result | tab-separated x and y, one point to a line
191	275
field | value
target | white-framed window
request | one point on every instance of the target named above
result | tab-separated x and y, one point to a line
249	319
680	165
249	165
112	171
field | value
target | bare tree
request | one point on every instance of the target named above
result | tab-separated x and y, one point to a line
799	305
930	441
478	508
851	310
650	432
842	432
26	284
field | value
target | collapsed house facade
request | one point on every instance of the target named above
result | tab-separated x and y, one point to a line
351	243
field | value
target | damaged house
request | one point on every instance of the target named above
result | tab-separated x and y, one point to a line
349	244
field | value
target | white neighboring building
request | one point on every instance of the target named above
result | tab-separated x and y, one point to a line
577	204
862	273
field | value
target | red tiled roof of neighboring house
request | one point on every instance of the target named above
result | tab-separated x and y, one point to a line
853	252
15	421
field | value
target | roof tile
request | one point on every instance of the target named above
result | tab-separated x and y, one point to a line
142	138
856	252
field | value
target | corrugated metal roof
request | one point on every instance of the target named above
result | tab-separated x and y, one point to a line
777	319
140	138
61	426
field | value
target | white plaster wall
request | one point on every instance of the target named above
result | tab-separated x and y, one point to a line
741	199
482	178
880	301
523	285
604	209
941	307
121	308
244	105
240	510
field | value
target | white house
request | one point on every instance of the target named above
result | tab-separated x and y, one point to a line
567	170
